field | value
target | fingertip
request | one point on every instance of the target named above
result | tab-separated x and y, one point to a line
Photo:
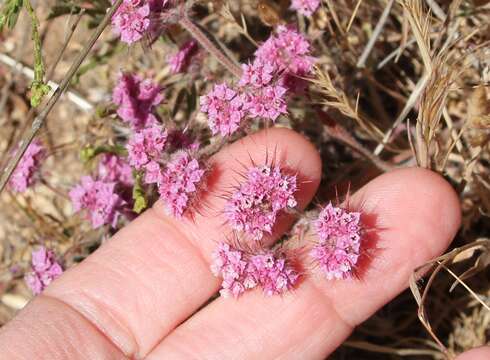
481	353
417	201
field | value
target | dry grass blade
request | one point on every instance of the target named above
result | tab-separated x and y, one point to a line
337	99
435	266
420	24
377	31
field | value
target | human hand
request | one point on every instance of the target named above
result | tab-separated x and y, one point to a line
141	295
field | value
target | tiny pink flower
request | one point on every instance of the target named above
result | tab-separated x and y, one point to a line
44	269
254	207
98	199
180	61
153	172
132	20
243	271
288	51
268	102
274	272
113	168
136	98
230	264
24	174
179	182
305	7
146	145
223	106
338	249
257	74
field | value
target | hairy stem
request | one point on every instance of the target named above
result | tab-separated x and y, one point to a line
208	42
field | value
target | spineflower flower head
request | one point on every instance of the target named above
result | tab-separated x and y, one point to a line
241	271
268	102
223	106
132	20
305	7
44	269
146	145
231	264
257	74
179	182
24	174
338	249
180	61
98	199
114	168
288	50
254	207
136	99
273	271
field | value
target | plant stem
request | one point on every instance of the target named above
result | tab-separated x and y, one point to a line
40	119
210	44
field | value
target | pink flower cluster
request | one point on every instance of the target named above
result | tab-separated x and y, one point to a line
263	87
45	269
136	98
136	18
224	107
98	199
24	174
113	168
178	181
287	51
180	61
243	271
145	147
254	207
339	233
305	7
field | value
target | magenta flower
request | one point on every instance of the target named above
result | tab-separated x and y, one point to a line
44	269
305	7
98	199
254	207
268	102
339	233
113	168
146	145
242	271
223	106
136	98
179	182
24	174
132	20
180	61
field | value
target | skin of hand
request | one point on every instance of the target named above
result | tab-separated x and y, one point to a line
141	294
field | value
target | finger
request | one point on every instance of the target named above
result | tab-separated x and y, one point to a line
418	214
155	272
481	353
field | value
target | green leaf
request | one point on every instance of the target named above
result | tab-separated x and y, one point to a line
139	196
